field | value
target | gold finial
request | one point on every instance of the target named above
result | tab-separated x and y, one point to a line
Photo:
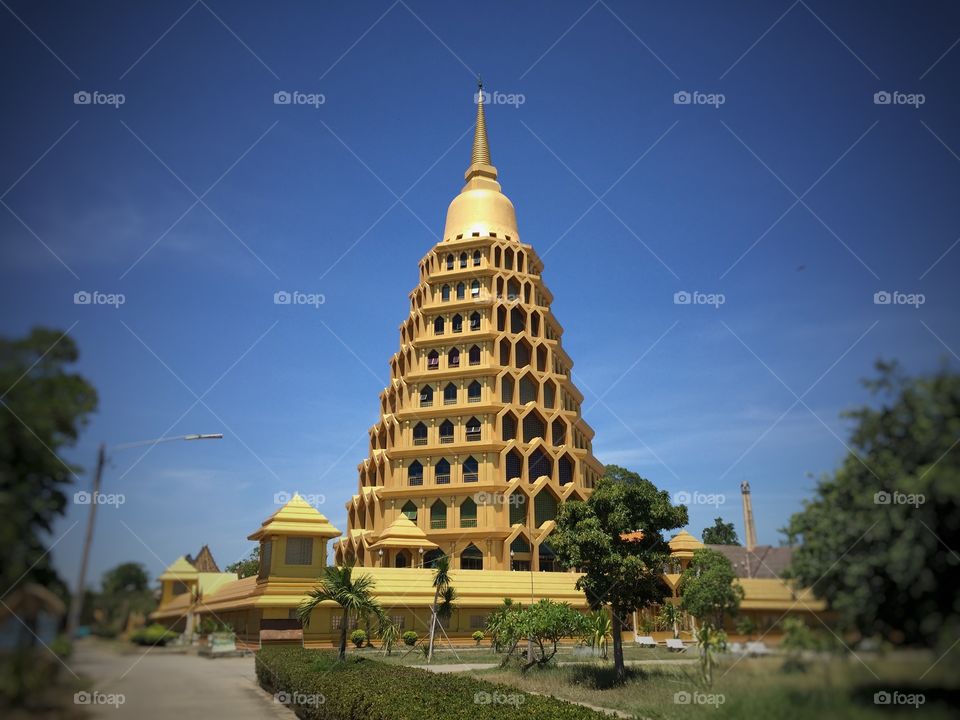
481	150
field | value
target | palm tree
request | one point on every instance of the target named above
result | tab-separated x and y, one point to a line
669	617
353	594
441	586
388	632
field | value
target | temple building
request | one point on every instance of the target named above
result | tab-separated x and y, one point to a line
479	439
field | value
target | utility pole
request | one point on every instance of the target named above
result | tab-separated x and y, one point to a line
76	602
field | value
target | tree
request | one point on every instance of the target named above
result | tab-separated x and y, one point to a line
125	589
669	617
872	541
354	595
598	630
43	408
545	623
247	567
498	622
708	588
441	589
720	534
621	568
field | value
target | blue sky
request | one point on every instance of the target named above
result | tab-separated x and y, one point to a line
797	199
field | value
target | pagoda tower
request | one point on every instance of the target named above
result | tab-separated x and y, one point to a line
480	435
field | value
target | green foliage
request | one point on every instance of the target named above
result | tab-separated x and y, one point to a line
247	567
388	632
720	533
155	634
44	409
358	637
546	623
669	618
710	642
410	638
354	595
708	588
124	590
443	597
871	542
746	625
599	628
478	637
497	623
624	574
364	689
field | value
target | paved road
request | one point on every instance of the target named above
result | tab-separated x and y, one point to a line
161	685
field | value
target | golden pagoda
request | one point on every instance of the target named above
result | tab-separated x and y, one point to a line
480	435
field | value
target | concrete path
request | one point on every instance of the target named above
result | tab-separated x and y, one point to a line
161	685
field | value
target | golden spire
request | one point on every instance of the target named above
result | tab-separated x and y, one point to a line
481	149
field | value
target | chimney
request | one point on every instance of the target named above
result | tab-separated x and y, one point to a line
749	528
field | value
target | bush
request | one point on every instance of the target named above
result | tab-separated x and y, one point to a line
478	637
363	689
358	637
155	634
409	638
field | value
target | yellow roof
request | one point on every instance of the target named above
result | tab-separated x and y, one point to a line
180	569
683	544
402	533
297	517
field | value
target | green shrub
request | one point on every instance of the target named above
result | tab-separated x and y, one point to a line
478	637
358	637
409	638
155	634
317	687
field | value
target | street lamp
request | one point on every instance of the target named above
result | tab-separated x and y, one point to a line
76	602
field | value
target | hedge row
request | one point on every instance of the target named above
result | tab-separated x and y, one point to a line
317	687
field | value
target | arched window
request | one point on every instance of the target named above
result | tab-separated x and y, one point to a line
496	257
565	470
514	466
441	473
438	515
508	427
528	390
501	318
471	558
402	559
518	508
538	464
506	389
453	358
559	432
471	470
504	352
445	293
468	513
456	324
438	325
449	262
523	354
461	291
474	391
446	432
415	473
473	430
463	259
549	394
544	508
450	394
542	358
513	290
535	324
426	396
430	559
410	510
419	434
475	321
508	259
520	261
518	320
475	289
532	427
433	360
548	559
476	257
474	355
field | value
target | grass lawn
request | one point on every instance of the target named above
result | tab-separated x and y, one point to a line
483	654
834	689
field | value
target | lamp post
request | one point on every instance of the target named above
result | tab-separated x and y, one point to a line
76	602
